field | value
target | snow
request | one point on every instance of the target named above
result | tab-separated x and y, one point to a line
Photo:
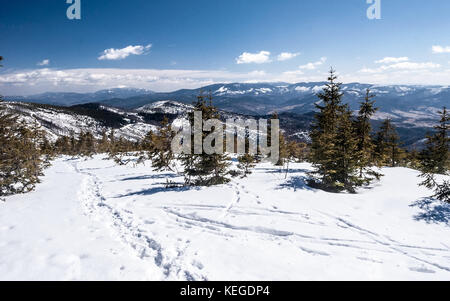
166	107
302	89
57	123
317	89
91	219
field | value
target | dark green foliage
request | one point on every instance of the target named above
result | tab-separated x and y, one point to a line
205	169
121	150
365	144
157	147
246	163
21	161
435	159
334	142
86	144
387	149
21	158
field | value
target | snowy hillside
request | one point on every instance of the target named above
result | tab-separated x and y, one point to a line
166	107
91	219
58	121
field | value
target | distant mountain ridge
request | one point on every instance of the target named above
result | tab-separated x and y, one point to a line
72	98
409	105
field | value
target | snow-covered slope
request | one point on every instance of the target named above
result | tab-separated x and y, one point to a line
58	121
91	219
166	107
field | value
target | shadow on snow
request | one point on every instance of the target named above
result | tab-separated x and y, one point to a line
149	177
296	183
433	211
158	189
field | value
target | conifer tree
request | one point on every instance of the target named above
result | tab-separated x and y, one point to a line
103	143
387	149
120	149
366	146
413	159
246	161
435	159
346	176
63	146
20	154
205	169
86	144
297	151
21	163
333	142
284	151
159	147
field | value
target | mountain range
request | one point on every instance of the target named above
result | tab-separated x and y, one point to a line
132	112
414	106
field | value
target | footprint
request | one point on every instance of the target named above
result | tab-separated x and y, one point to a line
422	270
198	265
369	259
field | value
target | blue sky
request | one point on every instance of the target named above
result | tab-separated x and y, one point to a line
168	45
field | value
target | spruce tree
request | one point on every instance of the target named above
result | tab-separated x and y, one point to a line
160	151
333	142
387	149
205	169
21	161
120	150
346	177
103	143
62	146
297	151
435	159
246	161
366	146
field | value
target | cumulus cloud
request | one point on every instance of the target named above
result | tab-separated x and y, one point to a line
120	54
45	62
314	65
440	49
255	58
389	60
284	56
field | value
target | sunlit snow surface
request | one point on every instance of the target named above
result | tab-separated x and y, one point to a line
93	220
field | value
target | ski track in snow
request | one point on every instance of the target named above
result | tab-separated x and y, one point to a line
146	247
123	225
247	226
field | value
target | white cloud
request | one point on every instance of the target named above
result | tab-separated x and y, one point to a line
389	60
314	65
88	80
284	56
45	62
295	72
120	54
256	58
402	66
25	82
440	49
414	66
